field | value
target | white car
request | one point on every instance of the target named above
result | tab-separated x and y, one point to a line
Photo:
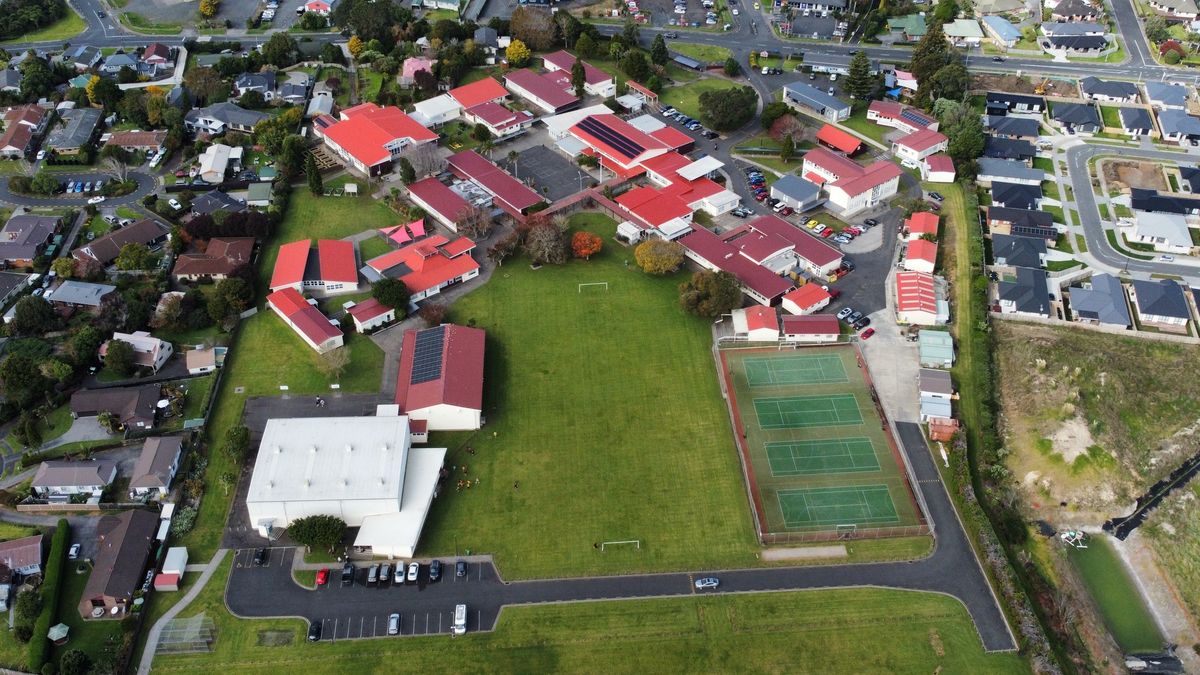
413	570
96	200
41	155
1166	258
73	553
175	204
707	582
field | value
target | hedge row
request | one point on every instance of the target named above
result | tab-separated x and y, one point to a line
39	644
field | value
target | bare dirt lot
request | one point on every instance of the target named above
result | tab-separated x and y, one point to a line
1126	173
1019	85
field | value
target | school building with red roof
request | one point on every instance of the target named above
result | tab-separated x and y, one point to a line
369	137
329	269
427	266
440	381
310	324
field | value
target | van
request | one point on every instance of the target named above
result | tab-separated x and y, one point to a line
373	574
460	619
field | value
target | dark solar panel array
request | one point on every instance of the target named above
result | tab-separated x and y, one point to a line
1032	231
427	355
618	142
915	117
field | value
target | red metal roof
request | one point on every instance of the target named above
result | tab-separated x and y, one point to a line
755	245
458	247
288	301
807	296
814	178
618	127
812	249
872	177
563	60
495	115
922	140
460	380
922	249
366	129
833	163
481	91
708	246
940	163
432	262
915	291
368	309
546	87
644	91
811	325
290	264
922	222
653	206
759	317
337	261
672	138
666	165
471	164
838	139
306	318
436	196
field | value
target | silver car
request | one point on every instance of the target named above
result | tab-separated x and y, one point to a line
707	583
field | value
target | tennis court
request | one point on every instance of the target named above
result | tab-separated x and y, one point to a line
794	369
832	455
819	456
798	412
859	505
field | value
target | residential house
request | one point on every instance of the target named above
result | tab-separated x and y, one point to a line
796	192
1022	223
370	137
148	351
1108	91
1010	251
1007	171
909	28
813	101
1175	9
807	299
1001	31
117	62
22	557
158	56
935	349
156	466
1136	122
263	83
1179	127
259	194
756	324
1160	303
370	314
1078	45
1025	293
119	565
1166	232
1075	10
133	406
82	57
1142	199
915	147
922	224
1101	302
838	64
1190	176
320	105
317	331
215	200
921	299
295	90
938	169
1167	95
218	118
204	359
137	141
321	7
25	237
986	8
1016	195
933	383
1072	29
899	116
1007	148
216	160
23	126
11	285
408	71
69	477
965	32
77	129
1018	128
1016	103
10	80
105	249
72	294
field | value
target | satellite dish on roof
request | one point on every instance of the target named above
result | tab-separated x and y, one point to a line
163	403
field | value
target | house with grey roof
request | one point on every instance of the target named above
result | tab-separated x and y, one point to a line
65	478
135	406
24	238
1021	128
10	80
1178	126
1008	171
1108	91
1008	148
320	104
1100	302
1076	118
221	117
113	64
74	131
1071	28
1136	121
935	383
983	8
216	200
1160	303
82	57
263	83
1075	10
1022	223
1025	293
156	466
813	101
1015	103
487	38
1166	232
1167	95
1001	30
1177	9
1016	195
72	293
1010	251
1078	45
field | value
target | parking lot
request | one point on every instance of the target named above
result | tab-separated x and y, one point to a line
664	12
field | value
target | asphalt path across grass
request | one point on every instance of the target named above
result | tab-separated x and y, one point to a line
361	611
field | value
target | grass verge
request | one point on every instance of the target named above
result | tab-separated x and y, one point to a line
65	28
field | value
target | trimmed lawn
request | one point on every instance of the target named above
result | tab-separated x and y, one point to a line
1111	115
52	426
1044	163
811	631
706	53
605	444
141	24
198	390
373	247
10	531
686	98
67	27
860	124
98	639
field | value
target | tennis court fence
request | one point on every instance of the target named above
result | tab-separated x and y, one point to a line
775	538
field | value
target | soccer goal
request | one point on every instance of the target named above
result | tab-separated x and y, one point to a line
846	531
601	285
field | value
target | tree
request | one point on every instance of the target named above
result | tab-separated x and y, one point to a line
967	137
950	82
728	109
56	370
773	111
732	67
585	46
481	133
84	345
280	50
860	83
474	222
63	268
205	84
503	248
134	256
930	54
658	256
22	379
544	243
90	88
391	292
44	183
585	244
1157	29
945	12
252	100
237	443
578	77
710	294
74	662
517	54
319	532
630	33
1172	57
787	149
119	357
209	8
407	173
333	363
355	45
634	65
28	606
533	26
33	316
433	313
313	174
658	51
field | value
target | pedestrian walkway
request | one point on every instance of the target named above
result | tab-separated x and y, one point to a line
157	629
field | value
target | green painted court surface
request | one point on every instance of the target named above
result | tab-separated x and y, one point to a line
818	452
863	505
797	412
794	369
834	455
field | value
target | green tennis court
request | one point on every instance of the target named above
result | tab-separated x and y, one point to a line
798	412
833	455
859	505
766	371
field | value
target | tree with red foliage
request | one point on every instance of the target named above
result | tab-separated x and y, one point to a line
787	125
585	244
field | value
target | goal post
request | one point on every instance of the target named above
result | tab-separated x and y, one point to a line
598	284
846	531
636	543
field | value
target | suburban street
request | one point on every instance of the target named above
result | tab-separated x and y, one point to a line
146	184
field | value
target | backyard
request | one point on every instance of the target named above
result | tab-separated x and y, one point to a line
686	98
859	124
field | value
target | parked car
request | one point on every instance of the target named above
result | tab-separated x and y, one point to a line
936	197
260	556
844	312
394	624
760	196
414	569
866	334
314	631
348	574
97	199
73	553
854	317
787	211
385	573
812	223
827	234
841	239
862	323
435	570
668	111
848	264
460	568
322	576
820	228
175	204
870	222
707	583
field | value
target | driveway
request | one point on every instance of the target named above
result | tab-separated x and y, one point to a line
145	185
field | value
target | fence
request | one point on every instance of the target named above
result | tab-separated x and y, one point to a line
774	538
60	508
1112	330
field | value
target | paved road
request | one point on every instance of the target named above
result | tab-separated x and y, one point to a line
145	185
361	611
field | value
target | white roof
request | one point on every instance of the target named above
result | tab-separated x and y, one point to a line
558	124
396	534
176	561
215	158
331	459
570	145
936	407
630	102
434	108
1171	227
647	124
675	227
700	167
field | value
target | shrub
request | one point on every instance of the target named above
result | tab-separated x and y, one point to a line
39	645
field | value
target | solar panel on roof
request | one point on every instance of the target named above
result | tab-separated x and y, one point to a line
914	116
427	355
621	144
1032	232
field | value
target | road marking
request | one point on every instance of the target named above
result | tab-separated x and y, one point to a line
374	626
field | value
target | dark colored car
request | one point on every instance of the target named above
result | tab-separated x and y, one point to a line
936	197
260	556
848	264
435	570
870	222
314	631
460	568
862	323
348	574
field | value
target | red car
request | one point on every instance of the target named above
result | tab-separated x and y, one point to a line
866	334
787	211
760	197
322	577
827	233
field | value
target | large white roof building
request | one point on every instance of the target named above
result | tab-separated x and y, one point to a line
363	470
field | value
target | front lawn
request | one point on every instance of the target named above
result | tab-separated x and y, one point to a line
141	24
52	426
705	53
686	98
859	123
604	423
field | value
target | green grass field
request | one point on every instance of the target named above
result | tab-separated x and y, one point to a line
706	53
65	28
1115	594
859	123
862	630
98	639
686	97
141	24
606	442
817	451
373	247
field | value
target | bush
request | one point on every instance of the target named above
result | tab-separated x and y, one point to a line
39	645
183	521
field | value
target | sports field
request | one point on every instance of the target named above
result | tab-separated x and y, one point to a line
820	458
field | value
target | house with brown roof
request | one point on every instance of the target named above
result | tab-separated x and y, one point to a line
144	141
105	249
24	238
133	406
117	572
23	125
156	466
23	556
63	478
222	257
